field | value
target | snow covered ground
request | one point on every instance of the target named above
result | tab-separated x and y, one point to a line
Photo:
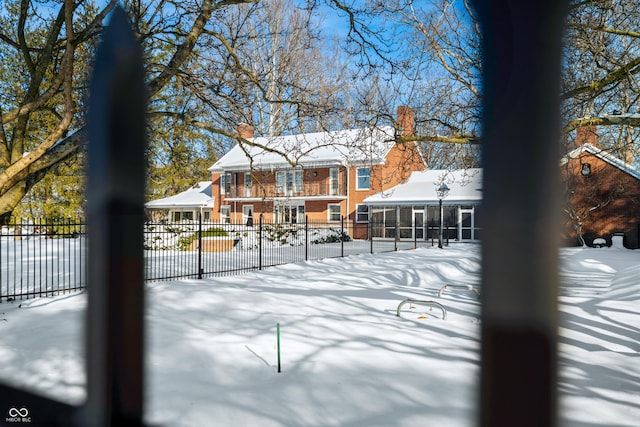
346	358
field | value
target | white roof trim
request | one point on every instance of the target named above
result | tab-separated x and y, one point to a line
320	149
465	187
601	154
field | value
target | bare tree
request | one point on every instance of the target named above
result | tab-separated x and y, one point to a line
47	51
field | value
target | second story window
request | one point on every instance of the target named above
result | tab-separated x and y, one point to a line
363	180
247	184
225	183
334	181
289	181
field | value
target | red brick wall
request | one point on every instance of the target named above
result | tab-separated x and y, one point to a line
401	161
608	200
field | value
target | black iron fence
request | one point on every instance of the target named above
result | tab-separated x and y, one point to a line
46	258
42	258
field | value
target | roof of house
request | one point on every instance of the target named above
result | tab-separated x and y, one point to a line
195	197
465	185
612	160
344	147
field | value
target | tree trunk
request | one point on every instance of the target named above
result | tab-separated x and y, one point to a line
10	199
579	234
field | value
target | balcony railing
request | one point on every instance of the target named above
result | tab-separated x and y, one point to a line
273	190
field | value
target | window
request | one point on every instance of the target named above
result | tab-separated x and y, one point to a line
297	181
363	179
280	181
225	183
225	214
206	216
178	216
247	215
289	181
334	213
334	181
247	184
289	214
362	213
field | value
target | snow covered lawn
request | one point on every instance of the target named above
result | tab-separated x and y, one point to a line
347	359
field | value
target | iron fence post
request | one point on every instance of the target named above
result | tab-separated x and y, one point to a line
115	188
260	243
522	51
306	237
371	237
199	245
342	236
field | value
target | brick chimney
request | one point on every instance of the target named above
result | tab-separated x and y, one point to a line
406	121
586	135
245	131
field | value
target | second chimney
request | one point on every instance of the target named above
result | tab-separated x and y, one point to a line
586	135
406	121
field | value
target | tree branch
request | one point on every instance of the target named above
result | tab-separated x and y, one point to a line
613	120
630	68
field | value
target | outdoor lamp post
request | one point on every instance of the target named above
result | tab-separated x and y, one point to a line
442	192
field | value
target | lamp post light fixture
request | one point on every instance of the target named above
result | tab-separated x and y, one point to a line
442	192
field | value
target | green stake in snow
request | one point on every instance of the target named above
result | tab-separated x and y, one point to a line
278	336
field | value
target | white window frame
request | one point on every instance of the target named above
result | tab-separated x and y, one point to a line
359	176
281	179
334	181
248	184
331	213
245	215
225	183
289	181
180	215
282	211
225	214
297	181
359	213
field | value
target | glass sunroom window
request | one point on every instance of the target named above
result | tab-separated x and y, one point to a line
362	213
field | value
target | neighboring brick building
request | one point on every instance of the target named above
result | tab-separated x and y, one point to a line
602	194
332	173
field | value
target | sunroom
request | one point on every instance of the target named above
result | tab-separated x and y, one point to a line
414	209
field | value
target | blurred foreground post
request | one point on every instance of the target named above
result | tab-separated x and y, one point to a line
521	65
116	181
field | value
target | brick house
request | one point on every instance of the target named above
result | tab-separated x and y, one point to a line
602	194
329	175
